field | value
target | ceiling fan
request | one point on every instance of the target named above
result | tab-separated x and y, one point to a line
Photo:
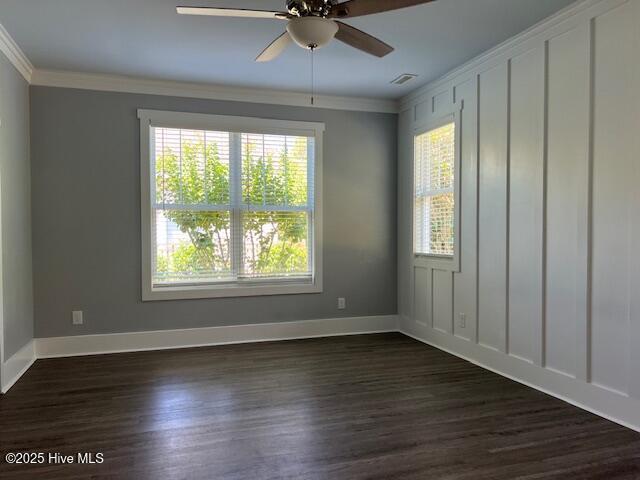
313	24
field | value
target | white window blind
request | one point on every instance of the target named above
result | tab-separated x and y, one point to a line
231	207
434	200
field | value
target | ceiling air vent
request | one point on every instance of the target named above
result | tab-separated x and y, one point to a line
404	78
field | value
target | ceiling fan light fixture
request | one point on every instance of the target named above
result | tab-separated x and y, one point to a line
312	32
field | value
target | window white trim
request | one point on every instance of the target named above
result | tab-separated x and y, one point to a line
155	118
441	262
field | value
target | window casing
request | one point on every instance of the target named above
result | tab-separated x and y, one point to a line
436	193
230	206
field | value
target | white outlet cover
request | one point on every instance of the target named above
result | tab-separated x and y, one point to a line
77	317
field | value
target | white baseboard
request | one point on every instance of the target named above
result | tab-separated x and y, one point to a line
53	347
614	406
200	337
17	365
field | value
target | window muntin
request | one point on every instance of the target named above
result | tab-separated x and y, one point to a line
231	208
434	192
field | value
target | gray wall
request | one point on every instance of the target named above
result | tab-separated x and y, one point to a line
86	216
16	209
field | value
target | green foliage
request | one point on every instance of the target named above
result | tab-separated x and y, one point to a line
274	241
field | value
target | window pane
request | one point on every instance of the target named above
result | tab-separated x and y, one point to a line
439	211
192	167
275	244
274	170
230	206
192	247
434	191
440	157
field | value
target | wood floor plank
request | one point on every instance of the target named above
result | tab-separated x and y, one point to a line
370	406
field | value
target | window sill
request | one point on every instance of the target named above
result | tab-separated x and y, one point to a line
225	291
438	262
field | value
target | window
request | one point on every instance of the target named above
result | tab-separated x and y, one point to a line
434	191
230	206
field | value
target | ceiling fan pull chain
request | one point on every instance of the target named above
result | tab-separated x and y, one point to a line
312	75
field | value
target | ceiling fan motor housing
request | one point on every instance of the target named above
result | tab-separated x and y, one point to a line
312	32
303	8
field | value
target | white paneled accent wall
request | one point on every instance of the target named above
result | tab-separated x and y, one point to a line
548	291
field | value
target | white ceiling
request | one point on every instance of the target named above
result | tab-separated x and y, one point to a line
146	38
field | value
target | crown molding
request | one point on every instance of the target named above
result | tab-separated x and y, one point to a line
582	7
15	55
124	84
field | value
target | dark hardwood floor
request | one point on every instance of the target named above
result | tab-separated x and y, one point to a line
373	406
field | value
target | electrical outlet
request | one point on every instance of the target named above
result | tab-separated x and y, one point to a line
462	322
342	303
76	317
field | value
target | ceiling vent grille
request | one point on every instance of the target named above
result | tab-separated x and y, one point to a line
404	78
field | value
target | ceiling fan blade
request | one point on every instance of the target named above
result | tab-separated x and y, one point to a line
358	8
275	48
231	12
362	41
